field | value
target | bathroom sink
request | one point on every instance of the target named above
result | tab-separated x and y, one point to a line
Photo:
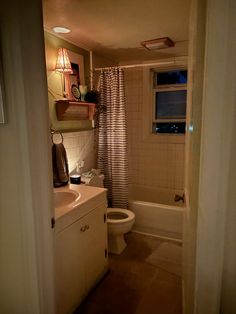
65	198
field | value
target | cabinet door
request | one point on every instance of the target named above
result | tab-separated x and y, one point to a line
96	245
69	268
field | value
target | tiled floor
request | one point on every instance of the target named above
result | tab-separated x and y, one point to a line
144	279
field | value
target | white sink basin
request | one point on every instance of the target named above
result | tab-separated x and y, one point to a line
65	198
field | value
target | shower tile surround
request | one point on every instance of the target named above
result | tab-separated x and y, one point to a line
151	163
80	146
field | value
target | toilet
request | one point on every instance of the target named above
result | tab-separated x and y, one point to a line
119	220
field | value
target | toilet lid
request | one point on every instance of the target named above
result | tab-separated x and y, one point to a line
117	215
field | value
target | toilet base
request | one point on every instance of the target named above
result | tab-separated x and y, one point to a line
116	244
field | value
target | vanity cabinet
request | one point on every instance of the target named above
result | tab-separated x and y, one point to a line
80	258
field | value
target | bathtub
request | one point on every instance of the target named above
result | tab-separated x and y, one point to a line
156	213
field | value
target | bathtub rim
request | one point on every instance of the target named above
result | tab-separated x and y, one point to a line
152	204
157	236
162	231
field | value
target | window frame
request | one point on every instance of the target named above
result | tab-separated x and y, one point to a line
164	88
146	104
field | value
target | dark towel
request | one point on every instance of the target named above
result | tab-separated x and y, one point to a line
60	165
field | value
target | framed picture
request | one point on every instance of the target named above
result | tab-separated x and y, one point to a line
77	77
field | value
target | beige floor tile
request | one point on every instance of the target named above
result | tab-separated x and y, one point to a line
137	284
162	297
167	256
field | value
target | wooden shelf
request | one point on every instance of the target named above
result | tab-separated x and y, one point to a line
68	110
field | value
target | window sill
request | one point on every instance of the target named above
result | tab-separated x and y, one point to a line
164	138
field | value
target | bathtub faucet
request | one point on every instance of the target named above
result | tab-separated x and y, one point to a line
179	198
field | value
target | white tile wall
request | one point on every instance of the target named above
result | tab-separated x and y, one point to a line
80	146
151	164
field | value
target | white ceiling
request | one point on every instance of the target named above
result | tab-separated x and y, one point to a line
115	28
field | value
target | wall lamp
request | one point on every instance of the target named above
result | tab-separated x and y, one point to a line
63	65
63	62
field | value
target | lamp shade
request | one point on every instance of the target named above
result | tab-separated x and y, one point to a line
63	61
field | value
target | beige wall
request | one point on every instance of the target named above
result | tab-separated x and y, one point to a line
209	243
79	147
154	161
195	87
55	80
26	253
79	144
52	43
216	258
99	62
228	300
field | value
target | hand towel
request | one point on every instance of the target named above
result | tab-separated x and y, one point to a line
60	165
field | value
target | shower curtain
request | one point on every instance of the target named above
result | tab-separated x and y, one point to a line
112	136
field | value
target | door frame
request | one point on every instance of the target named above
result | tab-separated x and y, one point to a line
205	278
27	279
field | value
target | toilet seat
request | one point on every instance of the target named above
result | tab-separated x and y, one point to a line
127	214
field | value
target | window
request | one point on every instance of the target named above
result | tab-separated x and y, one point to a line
171	77
170	94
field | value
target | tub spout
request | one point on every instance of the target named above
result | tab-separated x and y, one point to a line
179	198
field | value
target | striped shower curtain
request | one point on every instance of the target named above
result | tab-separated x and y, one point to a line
112	136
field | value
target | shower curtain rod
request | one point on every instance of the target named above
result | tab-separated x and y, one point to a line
175	61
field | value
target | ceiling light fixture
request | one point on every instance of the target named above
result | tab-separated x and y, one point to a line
61	30
158	43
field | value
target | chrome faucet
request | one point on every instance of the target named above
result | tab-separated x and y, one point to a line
179	198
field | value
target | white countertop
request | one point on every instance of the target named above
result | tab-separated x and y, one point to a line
90	198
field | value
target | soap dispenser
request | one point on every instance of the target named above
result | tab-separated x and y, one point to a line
76	177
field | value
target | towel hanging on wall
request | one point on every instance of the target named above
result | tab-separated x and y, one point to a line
60	165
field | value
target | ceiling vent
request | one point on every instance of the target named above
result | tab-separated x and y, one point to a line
158	43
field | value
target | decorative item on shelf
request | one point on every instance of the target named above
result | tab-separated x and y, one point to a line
75	91
92	96
63	65
83	91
